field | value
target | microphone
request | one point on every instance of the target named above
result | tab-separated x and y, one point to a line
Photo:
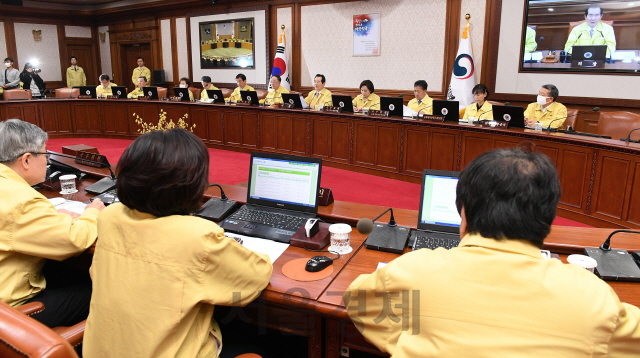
628	139
614	265
484	114
102	185
507	103
384	237
217	209
374	105
549	129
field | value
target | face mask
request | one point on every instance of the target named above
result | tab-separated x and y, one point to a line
7	64
183	86
542	100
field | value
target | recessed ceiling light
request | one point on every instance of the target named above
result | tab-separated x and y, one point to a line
550	9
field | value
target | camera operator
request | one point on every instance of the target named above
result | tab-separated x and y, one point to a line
30	79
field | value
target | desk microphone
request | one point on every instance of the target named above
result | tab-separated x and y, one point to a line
483	115
614	265
217	209
549	129
101	185
384	237
628	139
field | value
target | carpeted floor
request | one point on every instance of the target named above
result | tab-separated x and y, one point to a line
232	168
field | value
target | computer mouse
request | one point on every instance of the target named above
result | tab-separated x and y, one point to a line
318	263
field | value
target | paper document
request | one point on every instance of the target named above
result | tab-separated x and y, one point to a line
408	112
270	248
304	103
69	205
381	265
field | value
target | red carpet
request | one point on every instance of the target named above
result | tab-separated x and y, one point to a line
232	168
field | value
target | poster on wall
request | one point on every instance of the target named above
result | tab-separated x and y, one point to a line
366	35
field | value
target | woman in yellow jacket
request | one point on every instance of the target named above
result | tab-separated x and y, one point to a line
366	98
158	272
480	109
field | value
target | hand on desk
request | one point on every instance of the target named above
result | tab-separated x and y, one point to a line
529	122
96	204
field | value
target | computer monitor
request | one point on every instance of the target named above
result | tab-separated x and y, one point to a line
120	91
152	92
589	56
438	209
343	101
284	181
87	91
295	99
449	109
215	95
512	114
250	96
182	93
393	105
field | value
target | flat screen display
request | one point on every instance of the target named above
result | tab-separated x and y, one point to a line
227	44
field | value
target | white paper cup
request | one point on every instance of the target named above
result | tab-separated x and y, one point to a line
340	237
583	261
537	126
365	111
68	184
470	120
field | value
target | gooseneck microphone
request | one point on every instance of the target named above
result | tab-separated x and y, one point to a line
628	139
606	245
216	209
549	129
384	237
614	264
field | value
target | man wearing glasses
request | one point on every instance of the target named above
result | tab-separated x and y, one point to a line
32	231
592	32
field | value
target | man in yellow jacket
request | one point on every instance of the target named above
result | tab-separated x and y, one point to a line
274	96
422	103
75	74
592	32
206	85
140	71
32	231
495	295
142	82
321	96
241	80
105	87
546	110
530	43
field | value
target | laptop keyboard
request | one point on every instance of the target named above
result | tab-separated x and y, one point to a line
276	220
427	242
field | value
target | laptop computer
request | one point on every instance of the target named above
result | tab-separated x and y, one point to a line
250	96
120	91
87	91
152	92
438	218
512	114
449	109
588	56
342	101
295	99
215	95
393	105
282	195
182	93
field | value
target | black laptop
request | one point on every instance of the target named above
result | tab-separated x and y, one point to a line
449	109
438	218
215	95
512	114
120	91
87	91
295	99
282	195
250	96
392	104
342	101
152	92
588	56
182	93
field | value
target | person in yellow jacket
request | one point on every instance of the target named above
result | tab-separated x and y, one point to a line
206	85
241	80
494	295
105	88
142	82
274	96
592	32
530	43
32	231
158	271
422	103
481	109
321	96
366	98
185	83
75	74
140	71
546	110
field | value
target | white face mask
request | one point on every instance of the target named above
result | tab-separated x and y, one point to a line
542	100
183	86
7	64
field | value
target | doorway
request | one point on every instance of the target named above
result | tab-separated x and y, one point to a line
130	54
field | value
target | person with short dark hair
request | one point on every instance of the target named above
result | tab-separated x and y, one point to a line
592	32
546	110
366	98
241	80
75	74
142	82
274	96
140	71
206	85
422	103
31	80
481	109
9	76
158	271
321	96
185	83
494	295
105	87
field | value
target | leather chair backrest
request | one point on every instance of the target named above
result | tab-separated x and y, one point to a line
17	94
22	336
196	92
461	113
571	118
296	92
618	124
576	23
496	103
162	92
262	94
226	92
67	92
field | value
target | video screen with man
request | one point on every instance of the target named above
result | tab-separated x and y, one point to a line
570	35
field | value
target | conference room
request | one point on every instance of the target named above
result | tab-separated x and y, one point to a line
303	178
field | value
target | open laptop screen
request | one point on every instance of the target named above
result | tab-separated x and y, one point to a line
284	181
438	203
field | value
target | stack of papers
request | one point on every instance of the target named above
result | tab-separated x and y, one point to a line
270	248
69	205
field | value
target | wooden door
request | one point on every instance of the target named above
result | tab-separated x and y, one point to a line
86	59
130	54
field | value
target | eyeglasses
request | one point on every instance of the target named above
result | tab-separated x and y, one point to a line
46	154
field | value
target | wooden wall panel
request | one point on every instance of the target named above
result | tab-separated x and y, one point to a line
341	141
48	121
30	114
633	211
63	119
611	186
320	142
233	128
387	148
300	130
116	119
14	111
472	147
199	118
215	124
250	129
148	114
268	131
284	133
443	152
364	143
574	173
416	149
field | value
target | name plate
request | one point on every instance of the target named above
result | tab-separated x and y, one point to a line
378	113
587	63
495	124
334	109
243	103
433	118
83	157
175	99
286	105
144	98
113	97
84	97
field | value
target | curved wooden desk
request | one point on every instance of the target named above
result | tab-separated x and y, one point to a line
600	178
